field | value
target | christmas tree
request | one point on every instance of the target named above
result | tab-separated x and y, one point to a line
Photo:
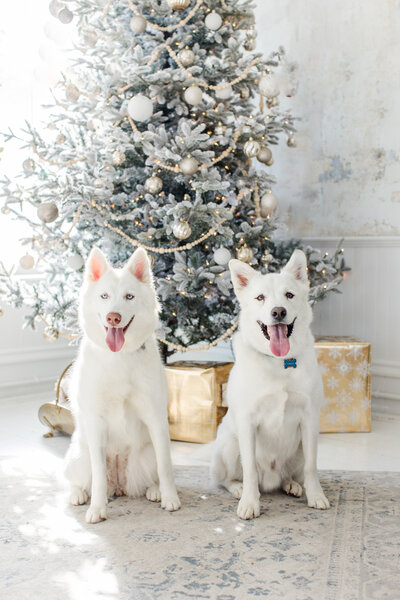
161	137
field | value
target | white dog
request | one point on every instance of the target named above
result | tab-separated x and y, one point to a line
118	391
268	438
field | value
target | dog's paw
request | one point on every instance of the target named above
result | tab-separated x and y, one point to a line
248	509
236	489
292	488
318	500
153	494
95	514
171	503
78	496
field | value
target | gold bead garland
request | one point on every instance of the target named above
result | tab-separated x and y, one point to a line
180	348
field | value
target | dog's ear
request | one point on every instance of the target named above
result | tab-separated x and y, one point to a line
96	265
139	266
241	274
297	266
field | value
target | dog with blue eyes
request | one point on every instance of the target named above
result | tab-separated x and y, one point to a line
268	438
118	391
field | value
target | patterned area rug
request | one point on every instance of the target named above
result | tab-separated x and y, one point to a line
202	551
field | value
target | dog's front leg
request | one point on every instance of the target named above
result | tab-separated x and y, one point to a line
249	503
96	438
309	436
159	434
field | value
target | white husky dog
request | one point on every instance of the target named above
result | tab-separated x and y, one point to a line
118	391
268	438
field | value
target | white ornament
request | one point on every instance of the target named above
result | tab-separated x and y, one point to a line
251	148
181	230
72	93
266	258
5	210
153	185
47	212
244	92
264	155
28	166
27	262
140	108
245	254
224	93
138	24
55	7
65	16
61	139
193	95
268	203
75	261
189	165
186	57
90	37
178	4
291	142
271	102
269	86
118	157
222	256
213	21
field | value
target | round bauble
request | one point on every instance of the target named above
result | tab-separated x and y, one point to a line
138	24
27	261
269	85
189	165
55	7
47	212
181	230
250	43
72	93
178	4
291	142
65	16
264	155
153	185
222	256
118	157
75	261
61	139
268	203
251	148
245	254
224	93
244	92
90	38
186	57
193	95
220	129
266	258
271	102
50	334
140	108
213	21
28	166
5	210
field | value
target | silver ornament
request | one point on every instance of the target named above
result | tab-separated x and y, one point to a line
28	166
193	95
140	108
224	93
65	16
245	254
222	256
90	37
266	258
153	185
244	92
47	212
27	261
138	24
60	139
213	21
189	165
220	129
5	210
55	7
178	4
264	155
268	203
269	85
251	148
291	142
271	102
250	43
50	334
118	157
75	261
72	93
186	57
181	230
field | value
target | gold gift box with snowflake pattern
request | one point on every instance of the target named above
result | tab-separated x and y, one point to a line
345	366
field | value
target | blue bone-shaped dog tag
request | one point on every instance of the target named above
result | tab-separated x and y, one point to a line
290	362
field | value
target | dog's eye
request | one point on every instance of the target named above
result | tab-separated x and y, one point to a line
289	295
260	298
129	297
104	296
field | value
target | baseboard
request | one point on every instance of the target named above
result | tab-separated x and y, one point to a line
30	387
17	356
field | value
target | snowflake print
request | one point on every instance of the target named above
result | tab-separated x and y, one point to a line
333	382
365	403
363	368
355	351
333	418
335	352
322	368
343	367
343	398
356	384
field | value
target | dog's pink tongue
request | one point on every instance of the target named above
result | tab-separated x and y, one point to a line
279	341
115	338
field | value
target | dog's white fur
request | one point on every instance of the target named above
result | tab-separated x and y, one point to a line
119	399
268	438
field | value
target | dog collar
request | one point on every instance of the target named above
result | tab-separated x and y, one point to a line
290	362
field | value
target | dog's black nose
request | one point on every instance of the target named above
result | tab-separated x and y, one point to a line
278	313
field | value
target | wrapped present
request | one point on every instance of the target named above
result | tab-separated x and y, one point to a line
345	364
196	398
